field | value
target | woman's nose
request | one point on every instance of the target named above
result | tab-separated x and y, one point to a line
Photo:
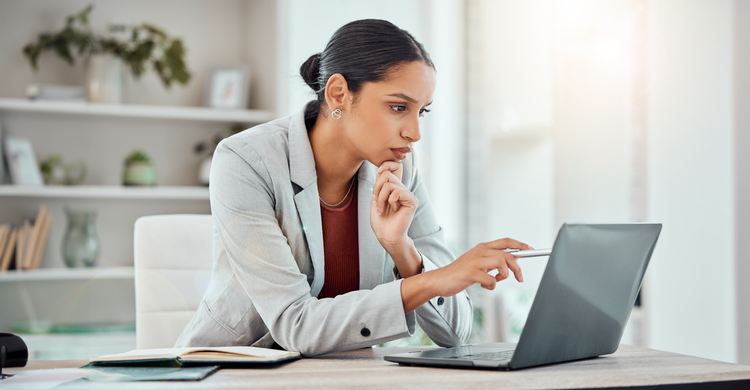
412	132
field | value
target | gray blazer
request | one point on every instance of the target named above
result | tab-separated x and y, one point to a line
268	262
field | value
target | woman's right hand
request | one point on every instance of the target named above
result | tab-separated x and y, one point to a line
474	267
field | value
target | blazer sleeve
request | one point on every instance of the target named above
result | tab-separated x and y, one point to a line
261	259
447	320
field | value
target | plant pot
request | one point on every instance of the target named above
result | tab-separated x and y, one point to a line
104	79
139	174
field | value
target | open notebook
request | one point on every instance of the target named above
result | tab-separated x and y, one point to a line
215	355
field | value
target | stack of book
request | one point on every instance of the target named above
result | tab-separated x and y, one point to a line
23	247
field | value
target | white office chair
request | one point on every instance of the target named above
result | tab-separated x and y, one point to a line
172	271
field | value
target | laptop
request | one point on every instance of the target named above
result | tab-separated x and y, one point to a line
583	303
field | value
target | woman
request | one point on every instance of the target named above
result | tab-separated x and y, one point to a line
324	236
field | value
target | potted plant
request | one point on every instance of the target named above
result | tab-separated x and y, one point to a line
141	46
206	149
139	170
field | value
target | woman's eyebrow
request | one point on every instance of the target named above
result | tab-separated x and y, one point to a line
407	98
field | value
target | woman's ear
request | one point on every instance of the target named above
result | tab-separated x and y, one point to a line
337	92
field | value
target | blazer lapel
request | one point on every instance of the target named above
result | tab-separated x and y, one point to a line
308	208
302	173
371	253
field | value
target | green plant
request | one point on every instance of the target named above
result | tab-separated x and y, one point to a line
145	45
56	172
137	156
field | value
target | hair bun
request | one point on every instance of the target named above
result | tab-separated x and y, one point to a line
310	71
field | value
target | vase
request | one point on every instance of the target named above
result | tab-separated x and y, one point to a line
104	79
80	246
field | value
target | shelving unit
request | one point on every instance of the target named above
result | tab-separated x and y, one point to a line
102	134
138	111
80	274
105	192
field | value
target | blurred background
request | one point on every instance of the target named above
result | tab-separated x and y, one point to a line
546	112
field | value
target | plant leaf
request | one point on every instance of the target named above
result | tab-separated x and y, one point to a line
83	16
154	30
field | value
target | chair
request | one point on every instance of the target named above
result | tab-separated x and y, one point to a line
172	271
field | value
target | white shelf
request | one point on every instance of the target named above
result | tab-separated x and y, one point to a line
105	192
138	111
49	274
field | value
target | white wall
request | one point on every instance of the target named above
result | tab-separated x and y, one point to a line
592	111
511	106
554	104
306	26
443	157
742	196
691	301
261	51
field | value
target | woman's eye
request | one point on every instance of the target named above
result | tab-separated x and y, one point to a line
398	108
423	111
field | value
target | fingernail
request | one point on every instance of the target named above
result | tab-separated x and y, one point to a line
378	210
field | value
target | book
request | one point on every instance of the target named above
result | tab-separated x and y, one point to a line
43	234
21	244
30	241
7	256
215	355
109	373
38	231
4	236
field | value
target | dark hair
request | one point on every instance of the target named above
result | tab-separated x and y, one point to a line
361	51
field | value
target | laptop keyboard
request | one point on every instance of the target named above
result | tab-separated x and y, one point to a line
498	356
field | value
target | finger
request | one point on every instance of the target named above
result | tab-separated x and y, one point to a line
380	180
374	207
387	188
512	263
394	167
507	243
503	262
394	199
486	280
383	196
502	270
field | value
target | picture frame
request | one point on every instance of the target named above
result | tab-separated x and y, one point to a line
22	164
228	87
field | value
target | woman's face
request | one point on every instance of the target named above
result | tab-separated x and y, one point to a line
385	120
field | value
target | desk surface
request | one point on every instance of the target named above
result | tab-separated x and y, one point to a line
365	368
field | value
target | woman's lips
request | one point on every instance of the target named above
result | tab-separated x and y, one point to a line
401	153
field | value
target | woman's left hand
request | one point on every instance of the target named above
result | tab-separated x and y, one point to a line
392	208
